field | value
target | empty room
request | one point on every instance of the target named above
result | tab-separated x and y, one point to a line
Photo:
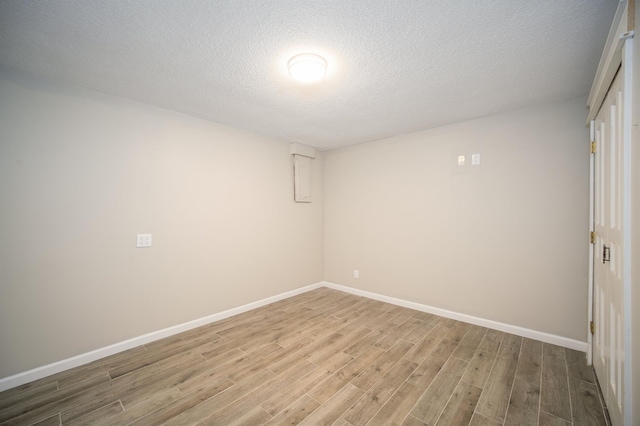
379	212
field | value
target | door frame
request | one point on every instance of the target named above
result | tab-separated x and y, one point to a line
618	52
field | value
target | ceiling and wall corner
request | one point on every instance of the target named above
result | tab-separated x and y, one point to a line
393	67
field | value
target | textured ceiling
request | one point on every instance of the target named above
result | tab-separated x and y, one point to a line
394	66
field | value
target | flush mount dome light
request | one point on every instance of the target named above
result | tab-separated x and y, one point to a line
307	68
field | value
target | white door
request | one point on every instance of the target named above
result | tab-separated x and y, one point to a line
608	340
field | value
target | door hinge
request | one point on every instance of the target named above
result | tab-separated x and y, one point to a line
592	237
594	146
592	327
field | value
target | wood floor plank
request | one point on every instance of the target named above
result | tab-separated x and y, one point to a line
296	412
577	366
554	394
461	405
379	321
365	343
167	412
201	411
49	404
530	362
401	315
482	362
524	404
318	345
412	421
367	406
555	351
423	315
427	344
254	417
319	328
128	386
331	410
328	388
105	412
431	366
265	361
96	368
424	327
448	322
469	343
546	419
398	406
432	403
285	397
221	348
150	357
337	346
238	408
130	393
50	421
495	335
151	403
494	400
480	420
585	403
381	365
399	333
9	399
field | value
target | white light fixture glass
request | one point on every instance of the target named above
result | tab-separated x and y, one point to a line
307	68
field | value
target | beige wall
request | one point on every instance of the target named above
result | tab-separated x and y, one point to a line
505	240
82	173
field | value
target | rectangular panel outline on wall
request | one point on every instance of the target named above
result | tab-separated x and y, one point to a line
302	179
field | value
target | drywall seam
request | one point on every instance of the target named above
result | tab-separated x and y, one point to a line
495	325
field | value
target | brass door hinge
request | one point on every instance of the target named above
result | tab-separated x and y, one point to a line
592	237
592	327
594	146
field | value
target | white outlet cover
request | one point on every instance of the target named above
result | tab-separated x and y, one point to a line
143	240
475	159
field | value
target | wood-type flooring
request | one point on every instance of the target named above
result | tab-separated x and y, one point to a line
320	358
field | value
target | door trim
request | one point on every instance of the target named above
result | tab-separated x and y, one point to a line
618	53
610	60
591	245
627	66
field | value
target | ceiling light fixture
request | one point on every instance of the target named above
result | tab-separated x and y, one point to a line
307	68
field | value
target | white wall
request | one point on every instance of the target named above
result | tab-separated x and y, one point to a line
506	240
81	173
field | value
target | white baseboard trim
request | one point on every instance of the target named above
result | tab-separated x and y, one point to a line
508	328
78	360
82	359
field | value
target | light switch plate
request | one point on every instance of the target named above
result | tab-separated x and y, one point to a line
143	240
461	160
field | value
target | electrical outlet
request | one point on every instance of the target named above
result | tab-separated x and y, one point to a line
475	159
356	273
143	240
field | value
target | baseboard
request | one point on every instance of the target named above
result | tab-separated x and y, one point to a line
82	359
508	328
